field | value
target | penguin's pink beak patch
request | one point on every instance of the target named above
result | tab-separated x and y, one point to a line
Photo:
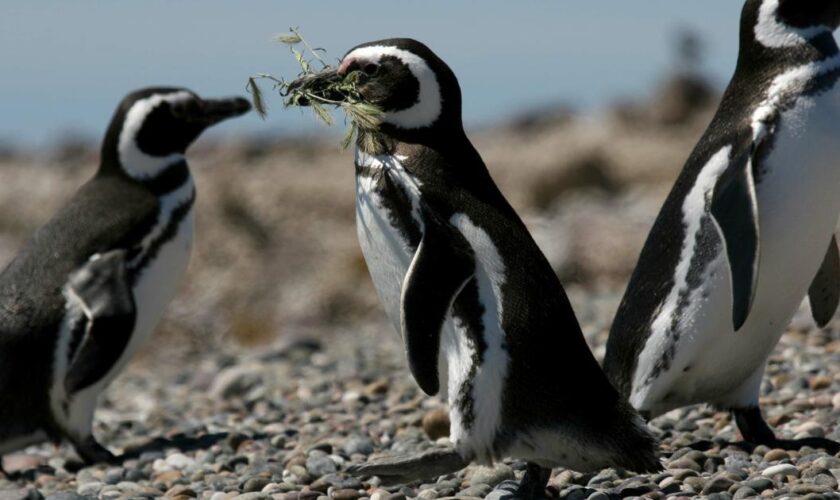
345	65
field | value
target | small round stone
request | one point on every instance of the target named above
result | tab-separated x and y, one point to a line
436	423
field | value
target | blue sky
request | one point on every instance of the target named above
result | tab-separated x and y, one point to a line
66	64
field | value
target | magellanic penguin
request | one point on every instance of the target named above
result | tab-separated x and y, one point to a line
746	232
485	321
88	288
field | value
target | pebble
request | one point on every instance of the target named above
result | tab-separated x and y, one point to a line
491	475
320	465
476	490
90	489
345	494
358	444
781	469
717	485
819	382
759	484
179	461
809	429
64	495
235	381
775	455
436	423
255	484
744	492
685	463
428	494
252	496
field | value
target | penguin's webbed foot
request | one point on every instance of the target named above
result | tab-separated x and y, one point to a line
831	447
532	485
403	469
755	431
92	452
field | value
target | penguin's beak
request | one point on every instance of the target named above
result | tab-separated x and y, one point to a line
321	84
208	112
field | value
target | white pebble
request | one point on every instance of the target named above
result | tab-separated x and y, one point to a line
809	428
179	461
784	469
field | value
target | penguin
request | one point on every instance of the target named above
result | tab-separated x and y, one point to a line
746	232
86	291
484	319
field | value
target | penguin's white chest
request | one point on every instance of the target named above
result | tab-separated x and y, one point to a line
798	209
158	284
385	246
169	246
385	242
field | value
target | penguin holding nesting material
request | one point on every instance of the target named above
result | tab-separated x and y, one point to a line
485	321
88	288
746	232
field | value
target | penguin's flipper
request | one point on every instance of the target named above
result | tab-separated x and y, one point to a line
442	265
103	290
735	210
824	292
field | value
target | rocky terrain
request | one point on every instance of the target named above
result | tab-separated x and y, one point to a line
274	368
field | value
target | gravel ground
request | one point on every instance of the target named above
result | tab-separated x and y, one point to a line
283	422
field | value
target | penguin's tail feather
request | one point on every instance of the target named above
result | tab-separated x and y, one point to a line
635	447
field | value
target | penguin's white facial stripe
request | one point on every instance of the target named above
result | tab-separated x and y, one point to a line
490	376
137	163
786	84
693	211
426	110
772	33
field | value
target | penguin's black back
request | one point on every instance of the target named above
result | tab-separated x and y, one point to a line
108	212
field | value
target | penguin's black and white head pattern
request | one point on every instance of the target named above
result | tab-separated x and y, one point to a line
153	127
88	289
787	23
484	320
414	88
747	230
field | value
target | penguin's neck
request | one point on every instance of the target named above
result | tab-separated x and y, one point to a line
142	166
121	153
159	174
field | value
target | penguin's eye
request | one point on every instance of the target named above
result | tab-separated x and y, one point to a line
370	69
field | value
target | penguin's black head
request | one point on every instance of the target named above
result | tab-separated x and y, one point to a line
787	23
809	13
154	125
414	88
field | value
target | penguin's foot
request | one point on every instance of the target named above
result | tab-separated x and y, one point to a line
402	469
91	451
531	486
755	431
831	447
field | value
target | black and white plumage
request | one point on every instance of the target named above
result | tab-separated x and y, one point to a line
88	288
484	319
747	230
